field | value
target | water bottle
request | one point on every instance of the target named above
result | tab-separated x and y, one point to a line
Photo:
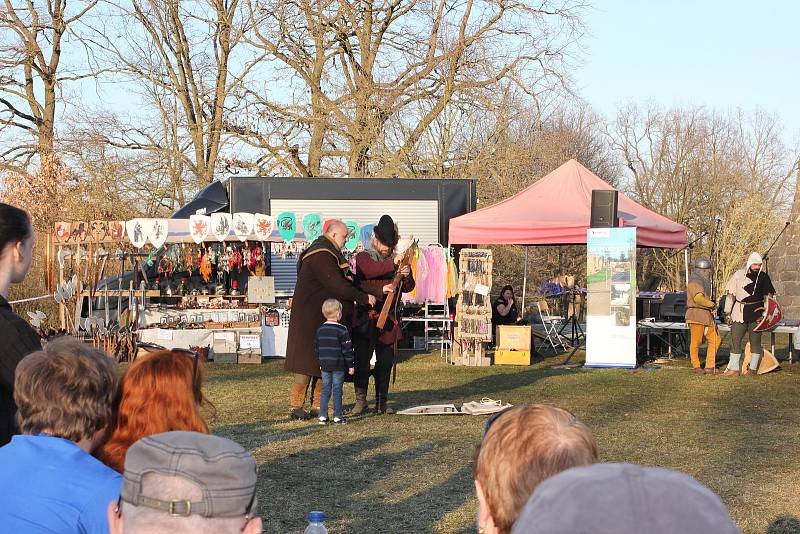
315	523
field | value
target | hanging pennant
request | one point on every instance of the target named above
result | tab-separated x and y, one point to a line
99	230
136	232
263	226
116	230
366	236
243	225
199	227
157	231
312	226
221	225
352	235
80	231
62	232
287	225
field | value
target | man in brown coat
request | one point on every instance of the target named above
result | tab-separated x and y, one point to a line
700	318
322	273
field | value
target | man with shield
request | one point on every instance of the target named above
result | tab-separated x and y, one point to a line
747	290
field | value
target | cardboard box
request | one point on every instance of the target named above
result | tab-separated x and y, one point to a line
514	337
224	347
250	357
512	357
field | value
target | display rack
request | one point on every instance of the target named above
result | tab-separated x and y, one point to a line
473	309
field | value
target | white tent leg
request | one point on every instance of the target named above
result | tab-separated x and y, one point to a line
524	281
686	264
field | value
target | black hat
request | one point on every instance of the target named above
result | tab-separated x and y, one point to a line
386	232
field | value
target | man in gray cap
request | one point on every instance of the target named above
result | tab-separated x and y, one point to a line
623	499
700	317
179	482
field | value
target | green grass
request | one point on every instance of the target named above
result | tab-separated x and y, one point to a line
413	474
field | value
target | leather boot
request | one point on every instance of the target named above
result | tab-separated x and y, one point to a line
361	402
316	396
382	396
298	397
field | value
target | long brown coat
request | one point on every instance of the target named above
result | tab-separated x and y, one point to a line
320	278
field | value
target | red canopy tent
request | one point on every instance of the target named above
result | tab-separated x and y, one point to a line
556	211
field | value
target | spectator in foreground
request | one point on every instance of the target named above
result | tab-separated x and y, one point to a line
19	339
522	446
335	353
50	481
186	482
160	392
623	499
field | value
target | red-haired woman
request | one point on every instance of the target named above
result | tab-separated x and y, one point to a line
159	392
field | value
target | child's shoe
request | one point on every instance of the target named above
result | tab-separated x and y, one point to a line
323	420
339	421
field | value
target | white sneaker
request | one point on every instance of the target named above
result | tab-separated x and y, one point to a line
339	421
323	420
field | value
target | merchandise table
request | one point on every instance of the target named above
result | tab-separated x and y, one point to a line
273	338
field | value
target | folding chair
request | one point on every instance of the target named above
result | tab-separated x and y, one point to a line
551	324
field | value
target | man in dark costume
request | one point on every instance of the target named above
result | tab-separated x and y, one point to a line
375	268
322	273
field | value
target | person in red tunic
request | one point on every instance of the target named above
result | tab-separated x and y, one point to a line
375	269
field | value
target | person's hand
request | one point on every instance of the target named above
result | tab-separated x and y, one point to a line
388	288
398	259
371	299
510	302
405	270
351	371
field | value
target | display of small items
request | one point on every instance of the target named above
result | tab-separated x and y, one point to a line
473	308
207	268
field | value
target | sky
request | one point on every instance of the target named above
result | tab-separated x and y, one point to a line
720	54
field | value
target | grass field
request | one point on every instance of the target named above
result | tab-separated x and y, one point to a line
413	474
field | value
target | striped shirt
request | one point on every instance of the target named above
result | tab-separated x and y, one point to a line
333	347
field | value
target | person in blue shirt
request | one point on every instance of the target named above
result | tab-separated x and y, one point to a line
50	481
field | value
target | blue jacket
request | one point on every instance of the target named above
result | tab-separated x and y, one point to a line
333	347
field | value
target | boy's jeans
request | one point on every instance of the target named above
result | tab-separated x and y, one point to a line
332	380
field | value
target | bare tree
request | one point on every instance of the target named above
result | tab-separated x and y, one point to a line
351	69
33	71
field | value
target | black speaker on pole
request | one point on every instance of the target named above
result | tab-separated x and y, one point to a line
604	208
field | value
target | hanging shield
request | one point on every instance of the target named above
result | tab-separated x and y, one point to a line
99	230
366	236
312	226
773	314
221	225
116	229
136	232
158	231
80	231
352	235
243	225
287	225
768	361
263	226
62	231
199	227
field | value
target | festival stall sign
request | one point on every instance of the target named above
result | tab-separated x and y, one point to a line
611	297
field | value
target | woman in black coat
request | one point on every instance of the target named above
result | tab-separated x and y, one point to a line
17	337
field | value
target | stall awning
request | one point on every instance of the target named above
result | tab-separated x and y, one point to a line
556	211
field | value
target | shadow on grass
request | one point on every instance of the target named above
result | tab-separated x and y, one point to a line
350	477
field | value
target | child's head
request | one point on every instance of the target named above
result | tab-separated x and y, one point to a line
332	309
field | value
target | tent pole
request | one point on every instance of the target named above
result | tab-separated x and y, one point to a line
686	264
524	280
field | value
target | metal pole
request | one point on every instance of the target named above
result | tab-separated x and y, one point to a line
686	264
524	281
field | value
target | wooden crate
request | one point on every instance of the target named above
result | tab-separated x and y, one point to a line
512	357
514	337
250	357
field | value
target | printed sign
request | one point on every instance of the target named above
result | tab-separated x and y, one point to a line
250	342
261	290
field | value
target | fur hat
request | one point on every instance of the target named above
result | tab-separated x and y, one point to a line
386	232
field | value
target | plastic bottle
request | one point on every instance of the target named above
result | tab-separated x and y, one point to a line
315	523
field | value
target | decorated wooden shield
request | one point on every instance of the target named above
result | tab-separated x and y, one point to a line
243	225
312	226
366	235
137	233
352	235
221	224
773	314
199	227
116	230
263	226
62	231
99	230
287	225
79	232
157	231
